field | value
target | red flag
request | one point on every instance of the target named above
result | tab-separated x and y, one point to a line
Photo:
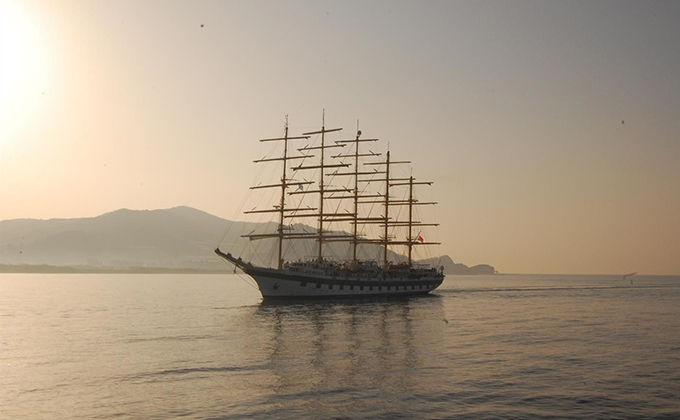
420	239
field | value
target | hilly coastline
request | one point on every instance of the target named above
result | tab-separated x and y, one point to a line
180	239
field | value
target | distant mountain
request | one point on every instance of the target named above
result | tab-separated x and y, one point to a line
180	237
451	267
176	237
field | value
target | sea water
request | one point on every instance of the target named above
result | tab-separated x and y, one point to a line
88	346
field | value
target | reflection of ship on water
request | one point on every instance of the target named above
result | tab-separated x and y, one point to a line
371	188
347	351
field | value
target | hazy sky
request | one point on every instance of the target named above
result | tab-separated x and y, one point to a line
551	129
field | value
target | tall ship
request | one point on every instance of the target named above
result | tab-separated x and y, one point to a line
346	188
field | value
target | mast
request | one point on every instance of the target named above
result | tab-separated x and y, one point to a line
283	195
387	206
322	190
386	202
355	226
409	238
323	144
281	207
410	241
353	217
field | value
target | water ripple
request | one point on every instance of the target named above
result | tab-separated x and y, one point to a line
497	347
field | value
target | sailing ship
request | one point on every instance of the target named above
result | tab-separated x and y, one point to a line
320	276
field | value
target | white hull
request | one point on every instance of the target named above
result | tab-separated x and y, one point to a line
273	286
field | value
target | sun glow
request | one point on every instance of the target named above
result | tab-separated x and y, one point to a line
22	63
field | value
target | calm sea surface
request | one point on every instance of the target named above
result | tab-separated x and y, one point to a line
91	346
